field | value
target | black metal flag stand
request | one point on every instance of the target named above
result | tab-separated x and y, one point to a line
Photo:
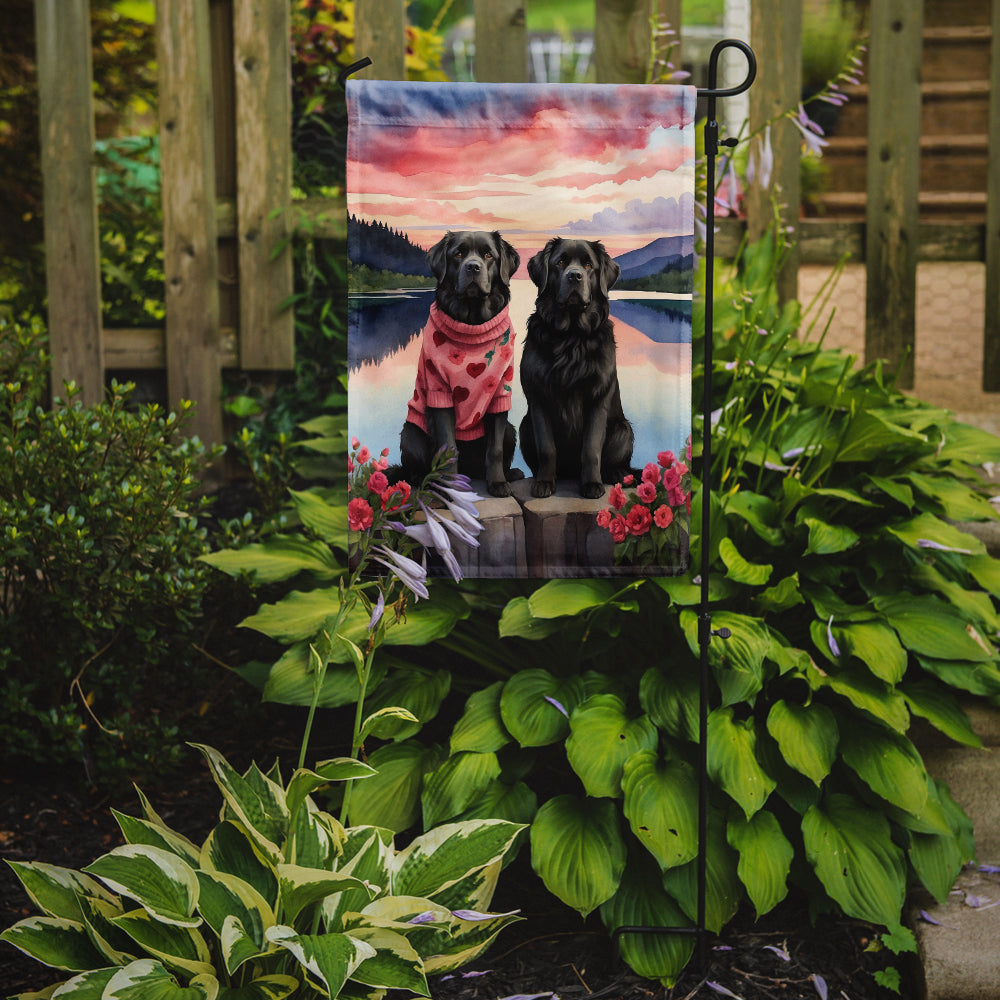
705	631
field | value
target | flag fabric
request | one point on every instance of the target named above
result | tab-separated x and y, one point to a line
522	194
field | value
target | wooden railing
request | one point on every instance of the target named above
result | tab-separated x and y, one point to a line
226	160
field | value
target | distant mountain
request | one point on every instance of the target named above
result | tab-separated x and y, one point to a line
375	245
668	253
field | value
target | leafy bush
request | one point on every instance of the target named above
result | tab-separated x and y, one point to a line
279	899
99	541
854	604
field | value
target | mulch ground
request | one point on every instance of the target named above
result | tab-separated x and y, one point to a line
551	953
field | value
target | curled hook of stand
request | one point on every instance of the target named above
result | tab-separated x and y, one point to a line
712	90
353	68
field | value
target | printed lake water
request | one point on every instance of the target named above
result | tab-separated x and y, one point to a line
652	333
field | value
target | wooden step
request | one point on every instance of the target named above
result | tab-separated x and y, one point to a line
956	53
947	162
957	206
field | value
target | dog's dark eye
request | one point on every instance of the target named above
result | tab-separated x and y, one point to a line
487	255
563	260
587	266
458	254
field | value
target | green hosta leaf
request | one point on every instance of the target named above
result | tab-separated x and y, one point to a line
440	858
870	436
976	678
928	528
456	784
418	691
301	887
230	849
965	443
516	803
54	941
330	959
387	723
723	889
975	605
807	736
876	646
56	891
226	898
142	831
850	848
578	851
279	558
180	948
661	798
292	680
275	987
260	809
828	539
602	738
671	700
866	692
559	598
783	595
641	901
395	964
941	709
297	616
738	569
937	859
481	728
765	858
931	628
517	620
425	621
758	511
147	979
957	501
732	760
391	798
160	882
986	571
327	520
888	763
893	488
530	706
738	661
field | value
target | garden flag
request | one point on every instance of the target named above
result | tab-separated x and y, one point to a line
521	266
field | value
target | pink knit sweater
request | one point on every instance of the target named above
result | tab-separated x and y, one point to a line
465	366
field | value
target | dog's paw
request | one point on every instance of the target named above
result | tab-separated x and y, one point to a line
500	489
542	488
592	491
513	475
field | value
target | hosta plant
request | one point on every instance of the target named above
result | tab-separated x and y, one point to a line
279	900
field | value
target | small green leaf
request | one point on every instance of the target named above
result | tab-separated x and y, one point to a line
738	569
807	736
765	858
828	539
732	760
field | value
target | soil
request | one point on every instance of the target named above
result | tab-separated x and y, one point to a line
551	953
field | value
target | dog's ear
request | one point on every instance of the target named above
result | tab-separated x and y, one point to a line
538	266
510	260
437	256
609	271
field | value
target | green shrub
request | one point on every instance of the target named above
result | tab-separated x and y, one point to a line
101	584
279	900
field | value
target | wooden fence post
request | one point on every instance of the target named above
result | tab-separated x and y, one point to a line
380	34
190	251
991	332
623	37
501	41
892	214
72	255
776	35
262	60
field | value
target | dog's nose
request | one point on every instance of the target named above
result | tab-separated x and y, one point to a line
575	276
473	266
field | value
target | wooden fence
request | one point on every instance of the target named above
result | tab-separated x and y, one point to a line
226	160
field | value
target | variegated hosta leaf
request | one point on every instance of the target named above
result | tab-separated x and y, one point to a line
225	897
328	959
642	902
850	847
441	857
395	964
723	889
147	979
86	986
661	805
99	915
300	887
602	737
475	891
274	987
256	801
177	947
56	891
54	941
158	880
456	784
535	706
304	782
141	831
807	736
367	853
315	838
765	858
732	760
481	727
230	849
578	851
467	940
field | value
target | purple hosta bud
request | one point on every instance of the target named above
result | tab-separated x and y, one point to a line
780	952
760	165
475	915
719	988
811	132
834	648
820	983
411	573
927	543
377	612
427	917
558	705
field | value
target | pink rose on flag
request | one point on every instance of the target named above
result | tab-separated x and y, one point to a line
617	497
646	492
638	520
359	515
618	529
663	516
